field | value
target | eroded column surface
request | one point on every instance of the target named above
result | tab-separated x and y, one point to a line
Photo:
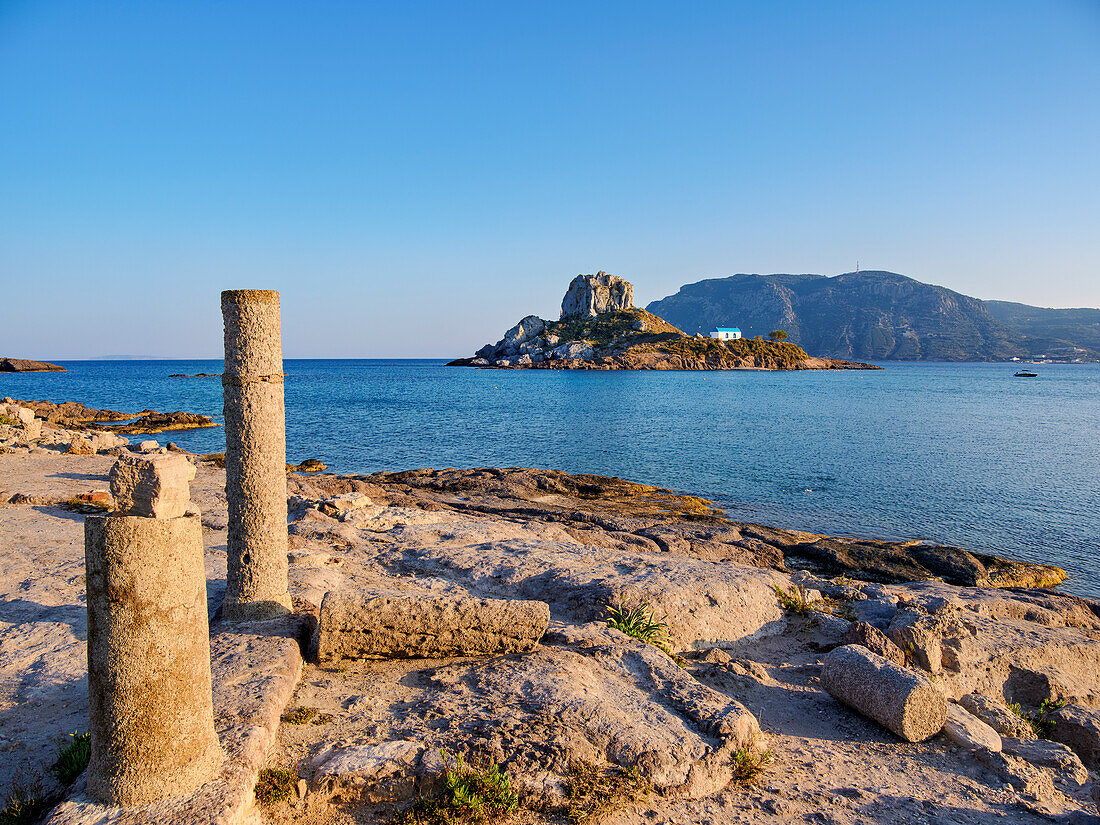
149	691
255	455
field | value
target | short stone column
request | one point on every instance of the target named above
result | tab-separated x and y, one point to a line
149	688
255	455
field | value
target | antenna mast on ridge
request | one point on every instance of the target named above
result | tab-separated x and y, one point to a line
857	267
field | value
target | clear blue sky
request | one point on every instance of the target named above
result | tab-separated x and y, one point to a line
416	177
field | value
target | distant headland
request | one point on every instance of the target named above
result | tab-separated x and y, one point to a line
25	365
601	329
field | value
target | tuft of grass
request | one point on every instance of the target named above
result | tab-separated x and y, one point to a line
299	715
11	422
594	791
639	622
749	762
469	794
72	758
24	806
1040	720
795	600
274	785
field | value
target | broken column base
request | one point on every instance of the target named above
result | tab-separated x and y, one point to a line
149	686
365	625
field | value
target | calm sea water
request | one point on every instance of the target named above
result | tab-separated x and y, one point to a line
957	453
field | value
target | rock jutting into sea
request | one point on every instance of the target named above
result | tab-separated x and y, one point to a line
601	329
72	415
24	365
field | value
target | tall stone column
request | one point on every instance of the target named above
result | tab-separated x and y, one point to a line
151	714
255	455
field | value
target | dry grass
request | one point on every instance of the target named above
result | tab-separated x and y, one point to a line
275	785
594	791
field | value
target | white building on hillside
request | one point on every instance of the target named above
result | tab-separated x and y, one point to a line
725	333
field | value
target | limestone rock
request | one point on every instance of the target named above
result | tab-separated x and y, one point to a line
861	633
589	295
968	731
1079	728
344	503
997	716
154	486
526	329
387	772
573	349
898	699
1046	754
81	445
357	625
149	446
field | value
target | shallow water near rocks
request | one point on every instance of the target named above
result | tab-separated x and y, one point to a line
962	454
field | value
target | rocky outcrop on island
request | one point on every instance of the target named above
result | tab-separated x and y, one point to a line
592	295
24	365
600	329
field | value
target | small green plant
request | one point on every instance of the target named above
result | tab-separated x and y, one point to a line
23	806
593	791
778	335
639	622
11	422
299	715
274	785
796	601
72	758
749	762
469	794
1041	720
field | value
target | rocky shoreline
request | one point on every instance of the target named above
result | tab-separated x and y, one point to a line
600	329
749	621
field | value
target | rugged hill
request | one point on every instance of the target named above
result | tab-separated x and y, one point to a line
600	329
1050	331
866	315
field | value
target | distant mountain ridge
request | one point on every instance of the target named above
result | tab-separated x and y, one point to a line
879	315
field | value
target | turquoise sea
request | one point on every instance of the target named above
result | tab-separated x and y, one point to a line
962	454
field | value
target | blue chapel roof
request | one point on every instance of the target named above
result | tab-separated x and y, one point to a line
726	329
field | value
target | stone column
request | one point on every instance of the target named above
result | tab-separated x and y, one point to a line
149	689
255	455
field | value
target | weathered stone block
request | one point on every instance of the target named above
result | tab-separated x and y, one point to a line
968	731
358	625
997	716
154	486
899	699
1079	728
862	633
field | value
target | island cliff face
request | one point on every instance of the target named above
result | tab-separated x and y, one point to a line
600	329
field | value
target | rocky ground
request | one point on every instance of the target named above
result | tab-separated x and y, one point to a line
739	676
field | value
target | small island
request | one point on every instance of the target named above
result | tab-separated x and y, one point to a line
601	329
25	365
